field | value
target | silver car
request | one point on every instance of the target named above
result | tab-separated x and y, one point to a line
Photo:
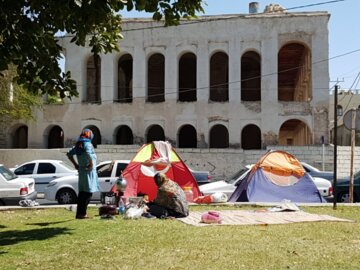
44	171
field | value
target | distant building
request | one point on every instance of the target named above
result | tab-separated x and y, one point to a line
229	81
347	101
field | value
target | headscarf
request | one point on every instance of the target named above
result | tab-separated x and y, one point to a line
170	195
160	179
86	136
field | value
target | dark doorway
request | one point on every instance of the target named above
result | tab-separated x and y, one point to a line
219	77
294	73
219	137
156	78
125	78
250	77
251	137
56	138
20	139
124	135
155	133
93	79
187	77
187	137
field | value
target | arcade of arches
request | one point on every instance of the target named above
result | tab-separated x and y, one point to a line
292	132
294	76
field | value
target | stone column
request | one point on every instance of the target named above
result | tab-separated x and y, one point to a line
234	70
139	75
269	90
108	69
171	74
203	72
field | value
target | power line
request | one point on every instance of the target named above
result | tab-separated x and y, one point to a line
317	4
176	90
205	18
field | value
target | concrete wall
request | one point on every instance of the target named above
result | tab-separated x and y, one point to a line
220	162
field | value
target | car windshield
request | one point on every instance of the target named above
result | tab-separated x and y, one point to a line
232	179
67	165
7	174
357	175
308	167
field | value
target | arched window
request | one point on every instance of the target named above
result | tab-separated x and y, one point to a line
124	135
187	137
187	77
56	138
20	138
156	78
250	76
125	78
251	137
219	137
294	73
219	77
339	110
295	132
93	79
155	133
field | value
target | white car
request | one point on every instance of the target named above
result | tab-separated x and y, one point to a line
44	171
229	185
14	189
64	190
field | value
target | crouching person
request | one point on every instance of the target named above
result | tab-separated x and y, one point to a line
170	200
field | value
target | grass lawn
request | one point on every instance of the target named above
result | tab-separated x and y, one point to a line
53	239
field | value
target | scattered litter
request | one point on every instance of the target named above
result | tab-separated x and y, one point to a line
28	203
285	205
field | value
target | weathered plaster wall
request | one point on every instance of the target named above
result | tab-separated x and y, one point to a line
233	35
220	162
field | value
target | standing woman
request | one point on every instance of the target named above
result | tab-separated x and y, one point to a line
88	179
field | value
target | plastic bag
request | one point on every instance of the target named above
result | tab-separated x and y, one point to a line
134	212
204	199
219	197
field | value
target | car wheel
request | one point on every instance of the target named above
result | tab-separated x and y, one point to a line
343	197
66	196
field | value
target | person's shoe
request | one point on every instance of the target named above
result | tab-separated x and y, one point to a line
147	215
82	217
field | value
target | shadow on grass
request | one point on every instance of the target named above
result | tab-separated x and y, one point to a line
14	237
43	224
2	226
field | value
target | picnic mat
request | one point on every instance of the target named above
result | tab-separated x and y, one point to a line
246	217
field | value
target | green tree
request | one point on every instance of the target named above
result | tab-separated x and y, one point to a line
15	102
29	27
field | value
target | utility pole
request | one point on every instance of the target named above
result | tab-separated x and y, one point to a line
335	145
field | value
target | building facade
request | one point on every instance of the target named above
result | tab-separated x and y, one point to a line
348	101
231	81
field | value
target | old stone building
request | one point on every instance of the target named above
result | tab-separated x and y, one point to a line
229	81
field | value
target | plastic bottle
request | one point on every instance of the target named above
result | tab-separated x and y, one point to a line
121	208
189	194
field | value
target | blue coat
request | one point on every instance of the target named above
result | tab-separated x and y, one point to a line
88	180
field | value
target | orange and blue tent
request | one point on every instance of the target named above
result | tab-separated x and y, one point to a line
277	176
156	156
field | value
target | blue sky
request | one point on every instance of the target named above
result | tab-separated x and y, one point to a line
344	34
